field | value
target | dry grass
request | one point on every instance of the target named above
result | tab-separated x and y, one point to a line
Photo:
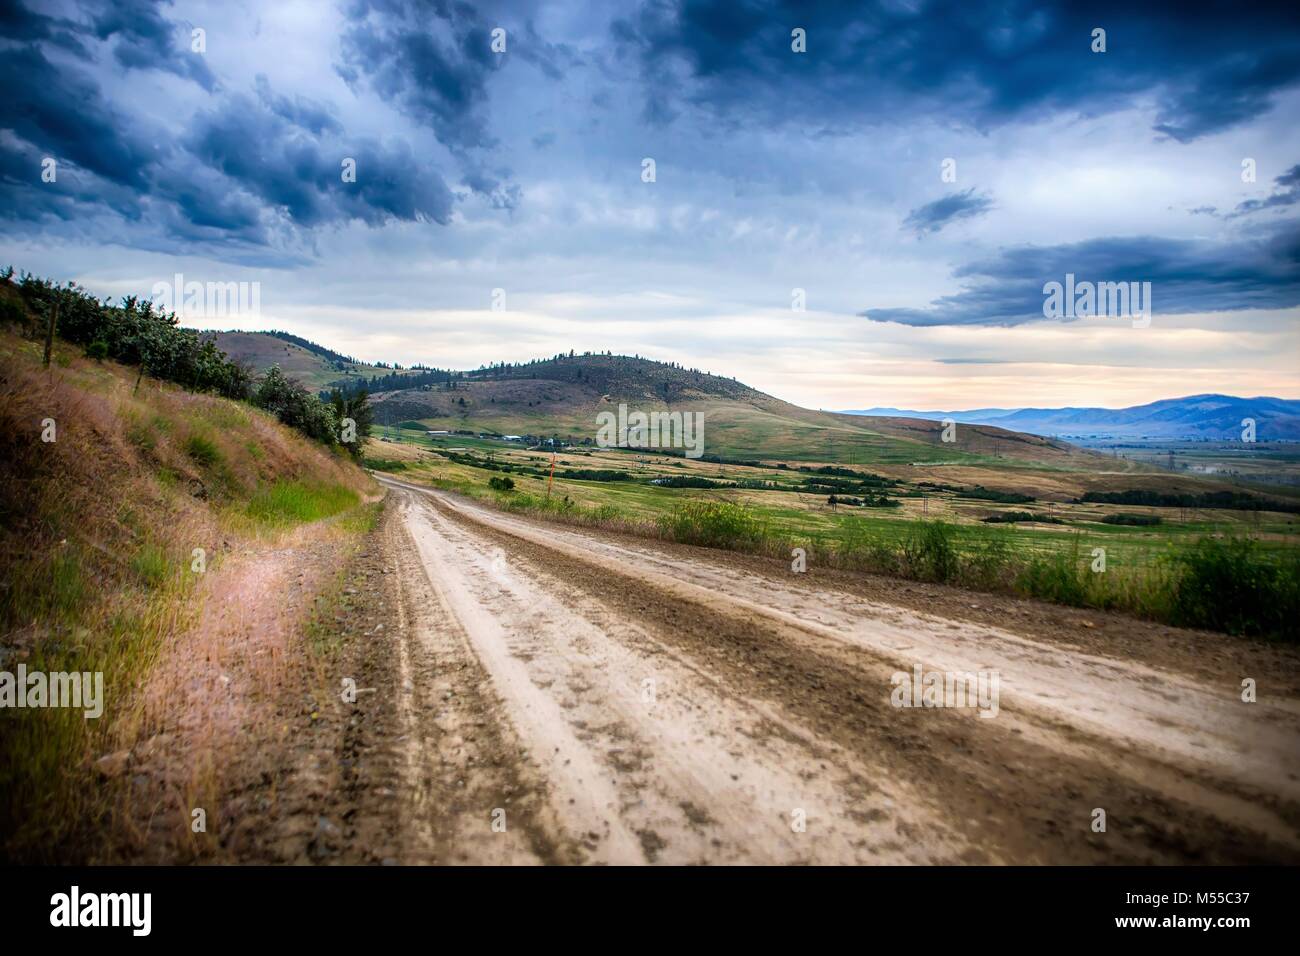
97	550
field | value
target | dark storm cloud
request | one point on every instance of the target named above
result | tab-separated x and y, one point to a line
75	193
21	23
248	172
143	39
933	216
431	59
1224	97
313	116
253	144
1185	275
62	112
1207	66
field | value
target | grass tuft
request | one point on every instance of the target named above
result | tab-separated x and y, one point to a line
295	502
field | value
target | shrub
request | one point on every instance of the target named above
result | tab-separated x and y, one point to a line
714	524
1231	585
294	406
498	483
379	464
1057	577
97	350
929	553
988	565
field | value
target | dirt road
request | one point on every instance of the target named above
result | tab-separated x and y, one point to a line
561	695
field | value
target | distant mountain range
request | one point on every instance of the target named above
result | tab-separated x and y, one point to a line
1196	416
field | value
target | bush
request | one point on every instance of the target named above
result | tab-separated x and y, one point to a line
380	464
988	566
296	407
97	350
714	524
1057	577
497	483
929	553
1232	585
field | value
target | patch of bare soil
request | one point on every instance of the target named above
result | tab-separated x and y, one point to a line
199	763
415	766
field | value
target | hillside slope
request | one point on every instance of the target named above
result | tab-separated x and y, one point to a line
314	366
563	396
120	506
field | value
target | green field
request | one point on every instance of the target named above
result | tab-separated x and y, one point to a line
1052	557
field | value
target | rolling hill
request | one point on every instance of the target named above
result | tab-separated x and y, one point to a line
561	396
1194	417
314	365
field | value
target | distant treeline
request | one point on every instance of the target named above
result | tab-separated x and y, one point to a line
1136	521
1233	500
980	493
866	501
710	459
1013	517
395	380
690	481
863	477
594	474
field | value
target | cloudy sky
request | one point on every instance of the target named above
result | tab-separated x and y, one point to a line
920	171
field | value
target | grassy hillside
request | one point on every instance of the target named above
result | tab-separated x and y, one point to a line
315	368
561	397
117	500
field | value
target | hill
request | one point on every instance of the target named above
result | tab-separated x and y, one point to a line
313	365
1214	417
562	396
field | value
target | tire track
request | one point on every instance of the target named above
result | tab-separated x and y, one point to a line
1020	788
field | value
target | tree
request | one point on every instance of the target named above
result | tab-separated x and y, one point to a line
358	409
294	406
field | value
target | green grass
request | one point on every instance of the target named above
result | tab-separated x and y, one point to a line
296	502
152	566
380	464
715	524
203	450
1231	585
